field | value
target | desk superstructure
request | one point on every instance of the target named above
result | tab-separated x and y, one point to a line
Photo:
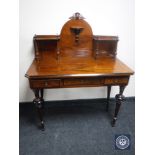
76	58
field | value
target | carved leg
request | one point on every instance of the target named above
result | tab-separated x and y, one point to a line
119	98
38	103
108	97
41	93
42	96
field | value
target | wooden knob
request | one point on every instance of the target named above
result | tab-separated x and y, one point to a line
46	84
82	81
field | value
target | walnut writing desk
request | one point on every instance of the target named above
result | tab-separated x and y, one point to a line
76	58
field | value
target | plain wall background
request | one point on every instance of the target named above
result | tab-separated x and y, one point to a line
106	17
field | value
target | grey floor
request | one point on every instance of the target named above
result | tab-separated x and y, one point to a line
80	127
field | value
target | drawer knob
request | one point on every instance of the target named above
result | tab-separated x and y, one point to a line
46	84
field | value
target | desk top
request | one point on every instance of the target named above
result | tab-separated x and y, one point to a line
49	67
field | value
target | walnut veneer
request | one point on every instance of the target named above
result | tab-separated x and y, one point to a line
76	58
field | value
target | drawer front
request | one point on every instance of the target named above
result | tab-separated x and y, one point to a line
81	82
54	83
116	80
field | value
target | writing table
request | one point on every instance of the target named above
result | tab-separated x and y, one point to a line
76	58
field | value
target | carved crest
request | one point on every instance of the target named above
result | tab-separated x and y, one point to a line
76	16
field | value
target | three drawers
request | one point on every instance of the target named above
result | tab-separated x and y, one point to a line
78	82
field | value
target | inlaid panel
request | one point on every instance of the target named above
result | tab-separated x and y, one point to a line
82	82
54	83
116	80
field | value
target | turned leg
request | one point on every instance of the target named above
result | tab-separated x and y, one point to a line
41	93
38	103
42	96
119	98
108	97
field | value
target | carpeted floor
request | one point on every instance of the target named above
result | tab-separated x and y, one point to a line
79	127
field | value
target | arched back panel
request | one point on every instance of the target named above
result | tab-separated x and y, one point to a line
76	37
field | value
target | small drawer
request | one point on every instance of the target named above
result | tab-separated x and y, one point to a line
81	82
54	83
116	80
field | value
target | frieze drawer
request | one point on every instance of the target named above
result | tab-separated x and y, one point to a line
81	82
116	80
54	83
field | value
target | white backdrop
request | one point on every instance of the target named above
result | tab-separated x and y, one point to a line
106	17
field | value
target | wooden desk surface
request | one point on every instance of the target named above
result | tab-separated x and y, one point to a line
50	67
